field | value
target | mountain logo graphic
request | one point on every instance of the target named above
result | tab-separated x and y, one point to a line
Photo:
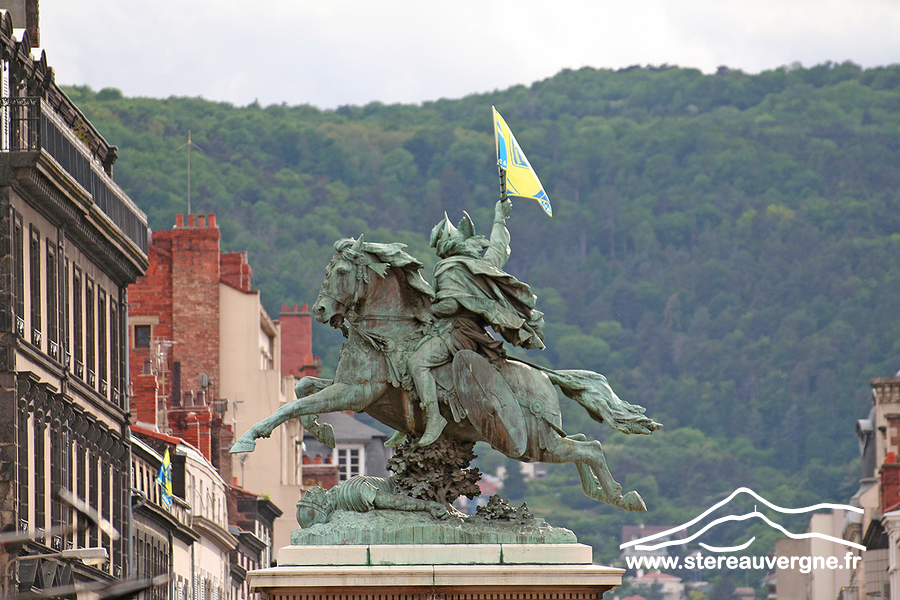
644	542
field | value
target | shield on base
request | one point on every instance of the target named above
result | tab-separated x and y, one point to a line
490	404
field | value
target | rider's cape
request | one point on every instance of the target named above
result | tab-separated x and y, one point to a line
504	302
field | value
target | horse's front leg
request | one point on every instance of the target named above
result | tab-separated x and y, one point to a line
323	432
306	386
310	385
339	396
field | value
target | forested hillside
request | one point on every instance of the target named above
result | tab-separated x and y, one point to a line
724	247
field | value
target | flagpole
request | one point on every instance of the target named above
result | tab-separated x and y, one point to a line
503	194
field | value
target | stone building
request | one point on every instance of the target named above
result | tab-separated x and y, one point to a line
251	519
163	534
878	572
70	242
200	565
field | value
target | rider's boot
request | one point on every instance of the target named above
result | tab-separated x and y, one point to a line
434	424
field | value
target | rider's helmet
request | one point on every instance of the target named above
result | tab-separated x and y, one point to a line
448	240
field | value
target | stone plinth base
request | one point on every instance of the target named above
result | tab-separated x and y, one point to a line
452	571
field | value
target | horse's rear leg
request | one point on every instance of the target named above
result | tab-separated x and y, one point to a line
596	480
339	396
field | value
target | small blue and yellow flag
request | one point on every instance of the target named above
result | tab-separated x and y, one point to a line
164	479
521	180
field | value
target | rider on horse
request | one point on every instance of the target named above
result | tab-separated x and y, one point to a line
472	292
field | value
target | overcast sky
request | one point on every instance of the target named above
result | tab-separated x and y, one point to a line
334	52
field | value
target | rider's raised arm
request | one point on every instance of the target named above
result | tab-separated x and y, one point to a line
497	252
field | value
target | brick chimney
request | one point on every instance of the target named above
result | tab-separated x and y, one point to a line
297	357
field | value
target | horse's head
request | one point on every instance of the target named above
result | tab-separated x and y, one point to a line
382	276
340	289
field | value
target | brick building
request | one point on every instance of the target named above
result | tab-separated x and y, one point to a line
297	358
174	339
206	360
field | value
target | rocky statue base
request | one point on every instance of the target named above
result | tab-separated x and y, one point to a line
447	571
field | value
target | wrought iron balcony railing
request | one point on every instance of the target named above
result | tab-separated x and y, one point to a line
28	124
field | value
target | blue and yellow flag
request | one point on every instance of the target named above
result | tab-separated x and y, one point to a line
521	180
164	479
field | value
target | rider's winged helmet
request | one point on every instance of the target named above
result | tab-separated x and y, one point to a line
448	240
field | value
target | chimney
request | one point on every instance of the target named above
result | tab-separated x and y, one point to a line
25	13
176	383
297	357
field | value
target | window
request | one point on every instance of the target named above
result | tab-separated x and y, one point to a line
142	336
65	312
40	481
90	312
114	351
94	494
102	342
81	478
52	302
34	262
350	461
19	274
78	322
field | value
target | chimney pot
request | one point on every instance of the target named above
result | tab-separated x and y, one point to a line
190	221
179	220
212	219
201	220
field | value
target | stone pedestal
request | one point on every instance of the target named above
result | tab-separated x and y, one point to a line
447	571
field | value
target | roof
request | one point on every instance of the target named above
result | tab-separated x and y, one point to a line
180	447
136	441
656	575
487	487
158	435
348	429
633	532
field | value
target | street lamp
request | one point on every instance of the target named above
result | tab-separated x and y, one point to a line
89	556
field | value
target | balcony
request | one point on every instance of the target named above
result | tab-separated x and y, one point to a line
30	125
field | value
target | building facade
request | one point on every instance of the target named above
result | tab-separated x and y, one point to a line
70	242
206	361
878	572
210	536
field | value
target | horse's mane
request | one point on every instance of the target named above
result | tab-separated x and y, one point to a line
386	256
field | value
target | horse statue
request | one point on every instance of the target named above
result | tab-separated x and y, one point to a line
377	296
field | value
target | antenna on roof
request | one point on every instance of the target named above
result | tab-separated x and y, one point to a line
189	145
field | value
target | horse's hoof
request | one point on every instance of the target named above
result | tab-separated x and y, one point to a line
631	501
243	445
398	438
324	433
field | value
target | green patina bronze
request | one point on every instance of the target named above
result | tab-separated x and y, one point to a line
420	360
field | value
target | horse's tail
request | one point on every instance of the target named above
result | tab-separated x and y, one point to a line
592	392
